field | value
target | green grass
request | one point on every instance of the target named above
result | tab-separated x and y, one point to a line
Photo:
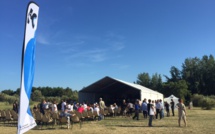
5	106
199	122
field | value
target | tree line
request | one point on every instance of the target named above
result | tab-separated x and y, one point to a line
40	93
197	76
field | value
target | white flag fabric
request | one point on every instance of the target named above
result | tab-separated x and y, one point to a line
26	120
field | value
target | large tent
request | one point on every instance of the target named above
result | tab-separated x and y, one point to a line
114	90
168	99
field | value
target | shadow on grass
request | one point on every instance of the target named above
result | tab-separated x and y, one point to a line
141	126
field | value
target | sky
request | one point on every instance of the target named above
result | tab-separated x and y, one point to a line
81	41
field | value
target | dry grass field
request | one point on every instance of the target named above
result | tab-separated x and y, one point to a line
199	122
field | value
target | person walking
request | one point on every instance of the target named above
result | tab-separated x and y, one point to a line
136	108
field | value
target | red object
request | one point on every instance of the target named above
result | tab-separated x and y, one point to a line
80	109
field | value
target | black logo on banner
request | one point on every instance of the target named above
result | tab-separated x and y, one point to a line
31	16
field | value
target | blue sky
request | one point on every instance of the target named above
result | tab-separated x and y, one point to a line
82	41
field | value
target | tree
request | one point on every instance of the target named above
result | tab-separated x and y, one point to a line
156	82
8	92
67	92
175	75
37	95
179	89
199	74
192	74
143	79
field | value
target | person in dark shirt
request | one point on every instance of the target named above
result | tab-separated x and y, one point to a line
172	103
42	106
166	104
148	105
136	108
15	106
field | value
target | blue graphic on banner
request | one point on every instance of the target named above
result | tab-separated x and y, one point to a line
29	67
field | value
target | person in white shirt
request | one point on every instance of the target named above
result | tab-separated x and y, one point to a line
63	105
54	107
85	106
70	107
96	109
158	109
151	112
130	107
161	109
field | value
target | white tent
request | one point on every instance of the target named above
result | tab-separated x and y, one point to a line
168	99
109	89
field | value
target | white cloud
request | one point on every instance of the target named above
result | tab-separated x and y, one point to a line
118	45
42	40
115	41
95	55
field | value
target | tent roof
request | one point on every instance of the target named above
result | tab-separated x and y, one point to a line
171	97
111	85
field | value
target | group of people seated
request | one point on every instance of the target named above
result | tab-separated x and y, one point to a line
126	108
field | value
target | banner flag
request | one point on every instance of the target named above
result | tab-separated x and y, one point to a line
26	120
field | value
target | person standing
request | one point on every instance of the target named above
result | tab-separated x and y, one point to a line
151	112
161	109
63	105
101	104
181	112
15	106
172	103
144	108
70	107
123	106
158	108
42	106
130	108
148	106
54	107
166	104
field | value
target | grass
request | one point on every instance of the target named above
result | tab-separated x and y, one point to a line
5	106
199	122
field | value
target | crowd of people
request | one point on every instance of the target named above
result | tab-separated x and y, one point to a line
151	109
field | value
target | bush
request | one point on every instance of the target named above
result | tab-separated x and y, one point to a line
2	96
37	95
52	99
207	103
8	98
196	99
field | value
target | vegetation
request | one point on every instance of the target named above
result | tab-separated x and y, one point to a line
40	93
196	77
205	102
